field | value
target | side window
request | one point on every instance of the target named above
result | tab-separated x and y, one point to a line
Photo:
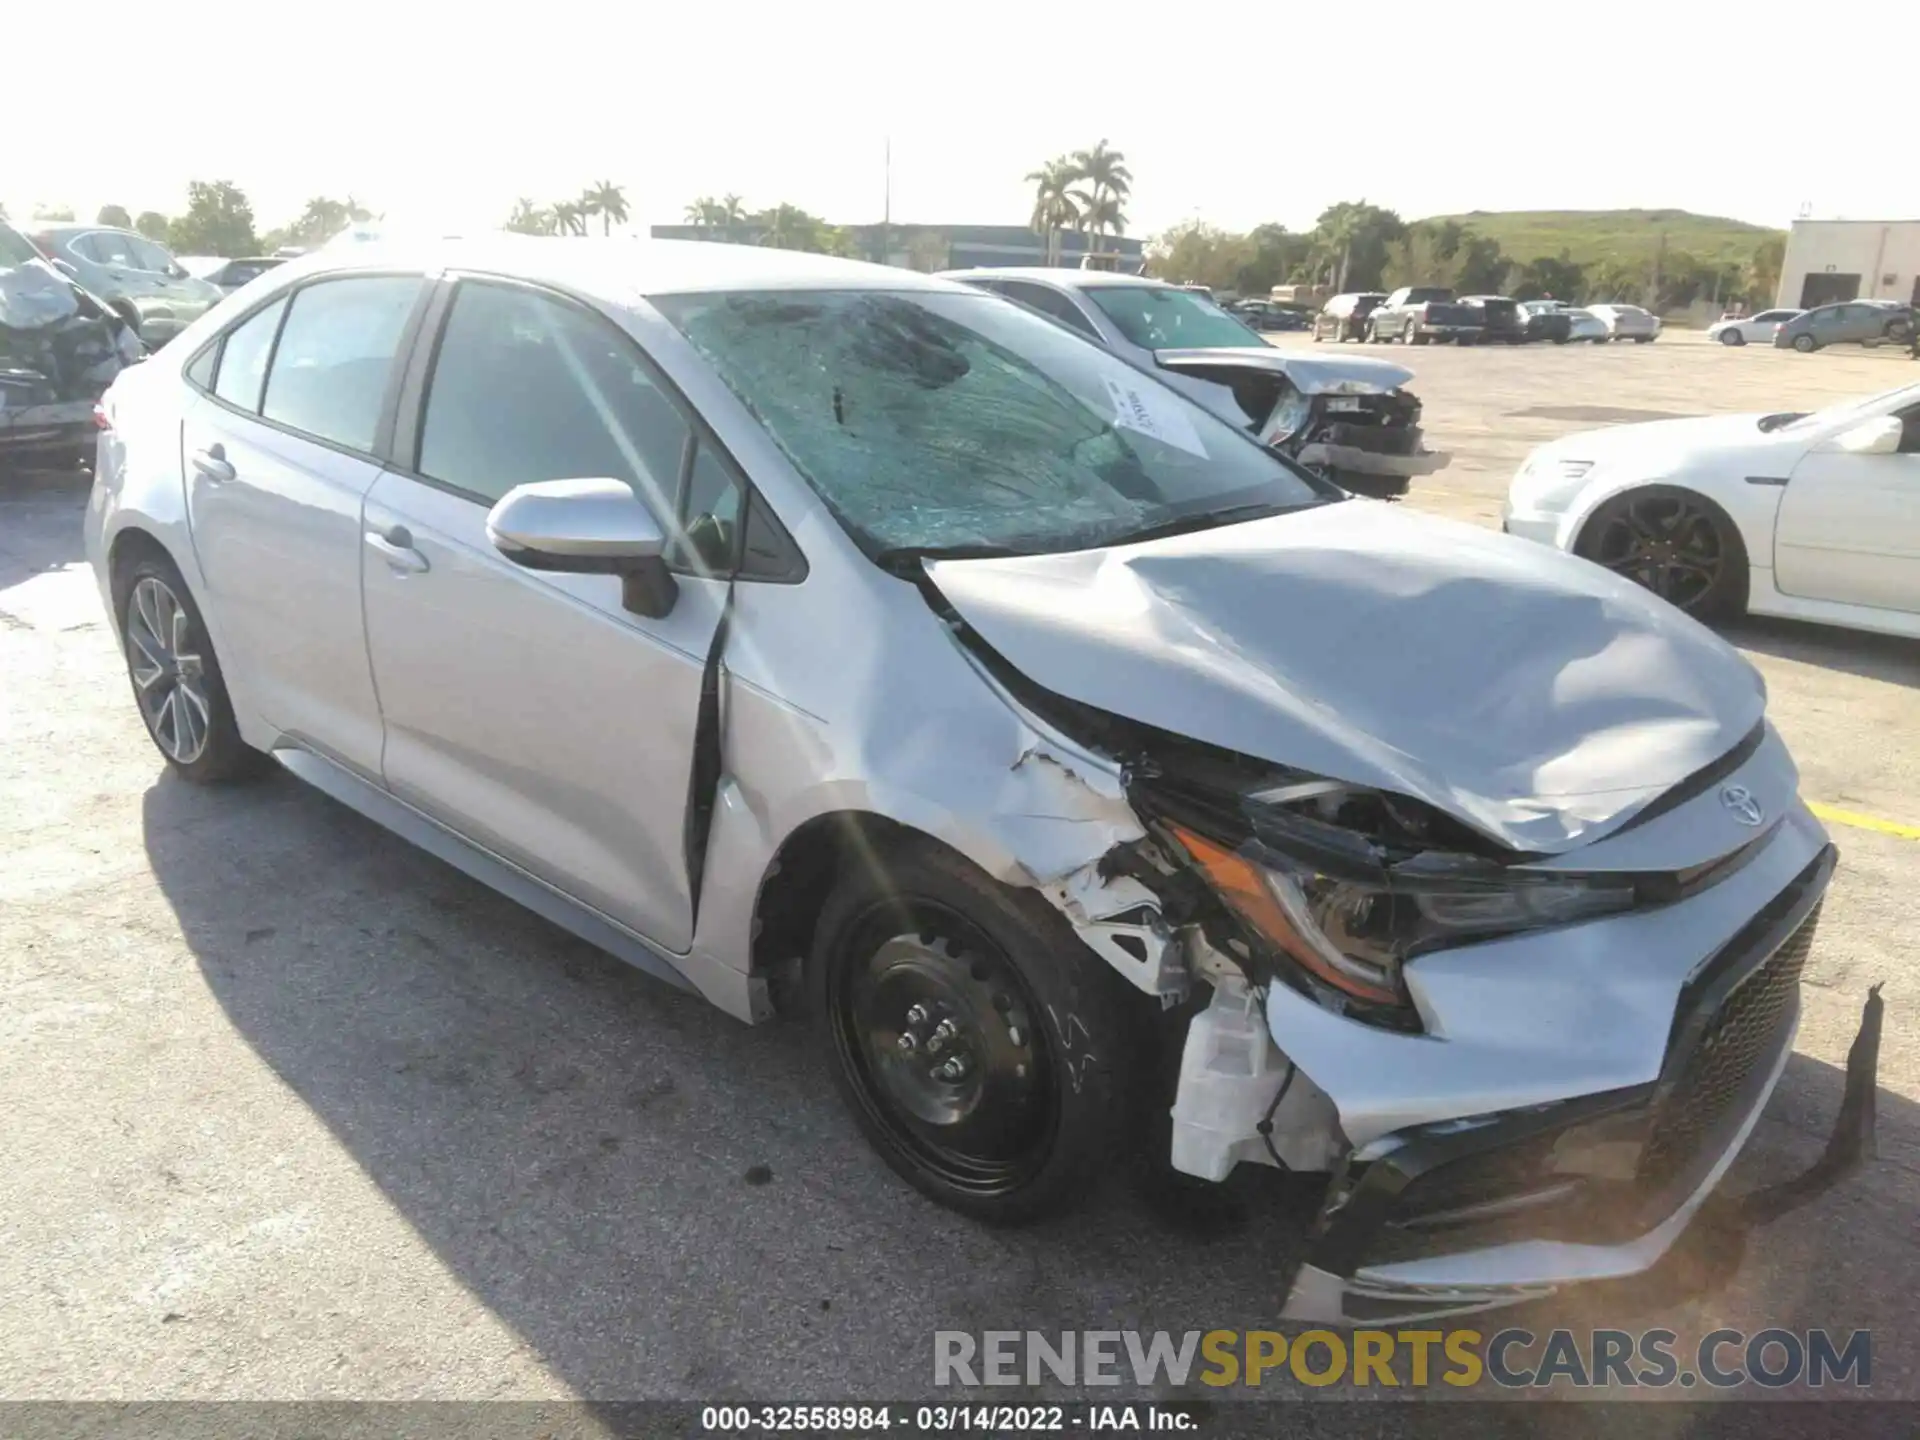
149	256
113	249
335	355
243	358
199	370
1052	303
709	516
527	387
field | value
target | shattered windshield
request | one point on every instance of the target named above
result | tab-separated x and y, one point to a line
1157	317
942	421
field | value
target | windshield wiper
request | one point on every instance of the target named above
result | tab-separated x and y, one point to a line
1207	520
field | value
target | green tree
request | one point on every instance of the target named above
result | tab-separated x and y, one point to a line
1105	183
569	218
153	225
609	202
114	215
1421	256
705	211
529	219
218	221
1349	244
322	218
1054	207
1545	275
1763	270
55	213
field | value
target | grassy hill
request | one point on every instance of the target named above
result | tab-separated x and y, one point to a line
1617	235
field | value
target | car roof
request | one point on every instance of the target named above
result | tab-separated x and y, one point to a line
617	269
1067	279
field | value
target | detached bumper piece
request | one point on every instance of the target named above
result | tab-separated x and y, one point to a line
1474	1213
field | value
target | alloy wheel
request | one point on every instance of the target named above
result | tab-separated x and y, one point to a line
169	675
1667	543
943	1039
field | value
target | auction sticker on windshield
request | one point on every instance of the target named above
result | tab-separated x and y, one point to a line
1157	415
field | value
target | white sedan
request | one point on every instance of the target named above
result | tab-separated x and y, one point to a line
1813	516
1750	329
1628	322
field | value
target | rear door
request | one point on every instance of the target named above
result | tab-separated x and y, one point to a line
530	711
278	457
1848	528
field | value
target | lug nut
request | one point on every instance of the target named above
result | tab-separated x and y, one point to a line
918	1015
908	1040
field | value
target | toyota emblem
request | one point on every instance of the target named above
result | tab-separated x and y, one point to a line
1740	802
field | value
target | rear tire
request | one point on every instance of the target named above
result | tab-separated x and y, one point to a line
1805	344
1732	337
1046	1100
177	683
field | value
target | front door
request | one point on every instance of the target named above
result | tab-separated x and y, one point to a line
277	461
530	711
1848	529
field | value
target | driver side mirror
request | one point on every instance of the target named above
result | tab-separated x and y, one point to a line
587	527
1874	437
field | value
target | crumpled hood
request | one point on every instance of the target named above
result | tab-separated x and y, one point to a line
1310	376
1534	696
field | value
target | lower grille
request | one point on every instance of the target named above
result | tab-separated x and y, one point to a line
1743	1035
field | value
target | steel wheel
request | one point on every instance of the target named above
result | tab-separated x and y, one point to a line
1669	543
169	675
940	1035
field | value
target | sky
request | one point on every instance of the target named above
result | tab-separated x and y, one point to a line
1234	113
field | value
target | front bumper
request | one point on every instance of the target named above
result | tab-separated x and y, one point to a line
1465	1215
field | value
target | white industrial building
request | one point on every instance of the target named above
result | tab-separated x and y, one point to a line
1832	260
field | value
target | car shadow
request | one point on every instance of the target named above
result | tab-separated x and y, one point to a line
1891	658
41	512
663	1203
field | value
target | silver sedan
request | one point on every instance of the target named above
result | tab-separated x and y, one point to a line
825	636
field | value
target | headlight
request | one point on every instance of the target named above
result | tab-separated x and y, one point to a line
1337	904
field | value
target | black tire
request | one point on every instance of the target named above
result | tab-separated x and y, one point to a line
219	754
1694	530
1411	335
1731	336
1643	339
1805	344
1049	1100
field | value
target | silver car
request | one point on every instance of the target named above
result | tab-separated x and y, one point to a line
822	635
1628	322
137	277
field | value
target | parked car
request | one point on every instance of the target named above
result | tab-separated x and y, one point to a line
1742	329
60	348
1017	707
1418	314
1627	322
1810	516
1550	320
1584	325
1265	315
1855	322
137	277
1344	317
1502	321
230	275
1352	420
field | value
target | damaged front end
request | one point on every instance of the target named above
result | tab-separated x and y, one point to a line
1292	895
60	349
1348	420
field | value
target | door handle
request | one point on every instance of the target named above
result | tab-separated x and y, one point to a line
395	546
212	463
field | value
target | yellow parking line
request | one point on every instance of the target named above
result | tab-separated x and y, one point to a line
1834	816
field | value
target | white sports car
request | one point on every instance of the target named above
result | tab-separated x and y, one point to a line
1751	329
1812	516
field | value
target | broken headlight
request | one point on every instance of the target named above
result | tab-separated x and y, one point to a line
1351	903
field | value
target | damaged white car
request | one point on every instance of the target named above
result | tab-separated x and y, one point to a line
758	615
1352	421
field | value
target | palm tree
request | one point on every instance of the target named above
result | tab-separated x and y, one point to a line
609	202
1100	214
733	211
1054	209
1104	170
569	218
701	212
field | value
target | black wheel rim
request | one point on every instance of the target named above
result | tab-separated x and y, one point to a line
942	1039
1667	543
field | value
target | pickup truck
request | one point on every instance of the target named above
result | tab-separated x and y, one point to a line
1415	314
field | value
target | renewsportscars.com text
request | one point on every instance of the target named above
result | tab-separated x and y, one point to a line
1512	1358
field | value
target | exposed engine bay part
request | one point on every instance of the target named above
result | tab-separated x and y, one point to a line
1348	420
1239	1099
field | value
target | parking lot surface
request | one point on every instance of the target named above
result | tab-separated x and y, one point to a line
294	1111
